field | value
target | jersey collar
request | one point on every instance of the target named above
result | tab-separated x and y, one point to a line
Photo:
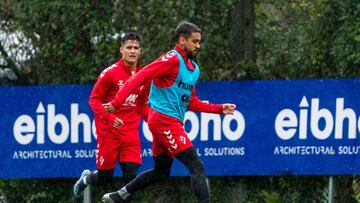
122	64
189	63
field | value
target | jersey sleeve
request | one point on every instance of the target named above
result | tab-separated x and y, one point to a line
97	98
159	68
195	104
141	102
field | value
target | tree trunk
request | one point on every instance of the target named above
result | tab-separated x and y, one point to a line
243	31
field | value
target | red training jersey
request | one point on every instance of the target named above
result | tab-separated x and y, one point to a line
129	111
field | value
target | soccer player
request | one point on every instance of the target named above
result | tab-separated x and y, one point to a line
117	133
173	77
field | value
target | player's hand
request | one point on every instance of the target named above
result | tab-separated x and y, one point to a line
228	108
109	107
118	123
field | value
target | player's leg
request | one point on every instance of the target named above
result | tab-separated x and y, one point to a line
95	178
106	162
130	156
99	177
160	172
129	171
191	160
178	145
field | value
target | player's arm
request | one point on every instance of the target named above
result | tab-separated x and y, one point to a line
159	68
195	104
141	102
96	100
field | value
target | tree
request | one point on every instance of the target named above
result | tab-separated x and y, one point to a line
243	52
243	31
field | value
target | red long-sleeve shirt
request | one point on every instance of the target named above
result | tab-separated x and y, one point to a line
107	85
163	71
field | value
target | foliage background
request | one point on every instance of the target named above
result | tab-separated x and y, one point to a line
70	42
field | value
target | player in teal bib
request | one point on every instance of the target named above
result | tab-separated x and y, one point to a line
174	100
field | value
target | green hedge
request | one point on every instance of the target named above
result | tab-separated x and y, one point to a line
248	189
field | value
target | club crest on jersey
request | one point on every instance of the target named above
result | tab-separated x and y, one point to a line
168	56
182	139
101	160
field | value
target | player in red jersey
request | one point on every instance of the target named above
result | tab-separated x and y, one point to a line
173	77
117	133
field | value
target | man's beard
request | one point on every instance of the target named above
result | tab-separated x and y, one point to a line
192	54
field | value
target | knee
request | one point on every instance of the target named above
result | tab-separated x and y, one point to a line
191	160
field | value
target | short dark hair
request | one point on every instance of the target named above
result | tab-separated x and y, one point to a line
130	36
185	29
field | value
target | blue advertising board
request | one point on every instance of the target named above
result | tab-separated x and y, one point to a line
280	127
